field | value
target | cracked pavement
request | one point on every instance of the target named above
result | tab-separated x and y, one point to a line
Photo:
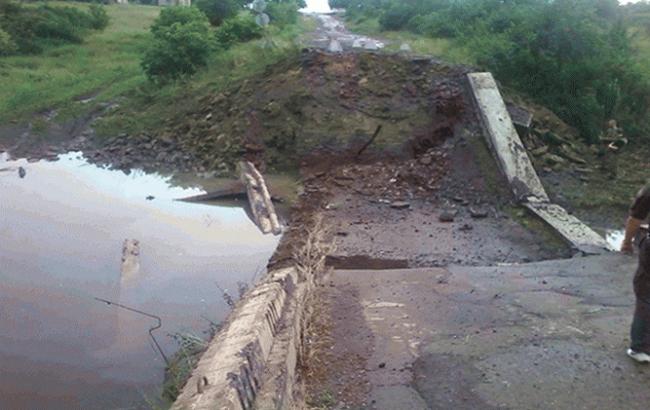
545	335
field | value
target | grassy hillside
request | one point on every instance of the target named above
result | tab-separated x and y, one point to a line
107	64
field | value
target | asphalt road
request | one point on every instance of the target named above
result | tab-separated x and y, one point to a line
546	335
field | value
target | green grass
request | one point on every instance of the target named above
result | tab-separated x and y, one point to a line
148	105
106	65
438	47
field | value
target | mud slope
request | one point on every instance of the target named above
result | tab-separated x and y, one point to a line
315	101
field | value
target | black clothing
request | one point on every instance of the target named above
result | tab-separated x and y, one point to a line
640	331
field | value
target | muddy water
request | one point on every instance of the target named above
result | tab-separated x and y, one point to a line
61	232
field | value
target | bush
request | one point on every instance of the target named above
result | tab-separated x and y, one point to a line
282	13
30	29
99	17
7	45
237	30
176	15
573	56
220	10
181	44
576	64
397	16
433	25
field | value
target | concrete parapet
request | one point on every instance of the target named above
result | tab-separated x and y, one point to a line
230	373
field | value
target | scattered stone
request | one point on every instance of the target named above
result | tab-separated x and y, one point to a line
466	227
478	213
553	159
521	118
400	205
21	172
382	365
539	151
405	47
335	47
150	197
447	216
426	160
571	156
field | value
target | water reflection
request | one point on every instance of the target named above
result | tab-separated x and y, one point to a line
62	227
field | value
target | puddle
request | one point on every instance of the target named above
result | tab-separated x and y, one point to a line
61	232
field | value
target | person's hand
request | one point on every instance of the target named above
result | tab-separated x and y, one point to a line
627	247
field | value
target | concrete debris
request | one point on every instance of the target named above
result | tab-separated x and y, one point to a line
405	47
130	266
400	205
478	213
260	200
447	216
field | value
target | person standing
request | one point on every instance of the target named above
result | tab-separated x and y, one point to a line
612	141
640	330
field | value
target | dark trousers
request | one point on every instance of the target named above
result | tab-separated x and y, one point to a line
640	332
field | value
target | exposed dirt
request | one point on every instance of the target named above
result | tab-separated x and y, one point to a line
314	101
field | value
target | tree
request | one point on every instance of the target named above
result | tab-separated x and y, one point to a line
181	44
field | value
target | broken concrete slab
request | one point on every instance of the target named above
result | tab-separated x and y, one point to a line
503	138
521	118
571	228
260	199
519	171
233	190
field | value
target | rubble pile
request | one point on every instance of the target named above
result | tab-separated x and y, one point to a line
318	101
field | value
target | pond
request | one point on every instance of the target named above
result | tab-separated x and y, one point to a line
62	226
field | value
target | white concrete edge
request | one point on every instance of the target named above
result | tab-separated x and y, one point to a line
515	164
229	374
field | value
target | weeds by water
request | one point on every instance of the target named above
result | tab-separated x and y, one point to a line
191	347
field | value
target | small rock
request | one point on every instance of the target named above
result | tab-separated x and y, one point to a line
405	47
553	159
539	151
466	227
426	160
150	197
21	172
382	365
478	213
447	216
400	205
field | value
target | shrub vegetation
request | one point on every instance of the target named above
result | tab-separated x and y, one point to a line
574	56
30	29
238	29
180	46
183	39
